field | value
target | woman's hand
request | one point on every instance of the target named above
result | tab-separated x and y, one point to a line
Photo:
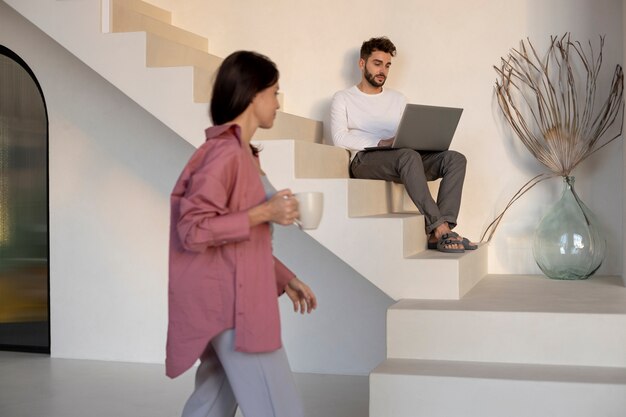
301	295
282	208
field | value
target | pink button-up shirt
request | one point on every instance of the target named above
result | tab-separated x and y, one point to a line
222	273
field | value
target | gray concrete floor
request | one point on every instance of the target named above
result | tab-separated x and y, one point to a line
33	385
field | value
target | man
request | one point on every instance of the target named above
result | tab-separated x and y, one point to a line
366	115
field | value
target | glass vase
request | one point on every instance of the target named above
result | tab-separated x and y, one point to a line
567	242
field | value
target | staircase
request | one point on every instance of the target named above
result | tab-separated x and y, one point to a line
459	342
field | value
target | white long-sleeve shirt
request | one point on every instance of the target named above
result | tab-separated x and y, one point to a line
359	120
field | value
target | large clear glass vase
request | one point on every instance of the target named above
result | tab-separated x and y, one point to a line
567	242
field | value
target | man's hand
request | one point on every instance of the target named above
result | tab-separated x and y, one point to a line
385	143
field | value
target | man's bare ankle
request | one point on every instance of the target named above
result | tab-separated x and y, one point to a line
441	230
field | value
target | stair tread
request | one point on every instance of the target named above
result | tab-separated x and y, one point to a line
492	370
163	51
292	127
149	10
533	293
389	215
133	21
437	255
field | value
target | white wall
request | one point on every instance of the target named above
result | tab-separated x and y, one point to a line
446	50
112	167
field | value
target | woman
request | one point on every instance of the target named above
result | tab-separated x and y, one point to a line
224	281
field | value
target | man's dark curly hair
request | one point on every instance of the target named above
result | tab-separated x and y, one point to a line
377	44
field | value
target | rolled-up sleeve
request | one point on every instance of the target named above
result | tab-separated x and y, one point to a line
205	219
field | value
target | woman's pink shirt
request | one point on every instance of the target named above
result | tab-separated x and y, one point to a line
222	273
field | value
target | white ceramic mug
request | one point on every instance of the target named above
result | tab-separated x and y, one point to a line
311	207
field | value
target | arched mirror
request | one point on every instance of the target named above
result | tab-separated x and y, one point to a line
24	239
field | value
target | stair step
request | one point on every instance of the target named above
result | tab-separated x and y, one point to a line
422	388
291	127
163	52
467	268
202	85
309	159
374	197
148	9
316	160
125	19
517	319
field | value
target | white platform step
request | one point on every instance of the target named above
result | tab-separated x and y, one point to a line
420	388
387	249
517	319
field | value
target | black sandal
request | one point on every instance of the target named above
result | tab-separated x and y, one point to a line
445	240
467	245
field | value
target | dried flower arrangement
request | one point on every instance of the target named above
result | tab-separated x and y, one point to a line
554	117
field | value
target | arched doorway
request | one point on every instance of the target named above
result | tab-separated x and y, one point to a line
24	225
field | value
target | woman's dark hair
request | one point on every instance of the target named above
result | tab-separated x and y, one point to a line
242	75
377	44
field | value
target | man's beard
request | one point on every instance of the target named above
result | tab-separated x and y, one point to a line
372	79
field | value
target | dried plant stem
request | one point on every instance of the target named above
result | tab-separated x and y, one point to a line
491	229
551	112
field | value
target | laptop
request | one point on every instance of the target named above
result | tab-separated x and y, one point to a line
425	128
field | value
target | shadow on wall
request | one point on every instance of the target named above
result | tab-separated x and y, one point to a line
350	74
558	15
350	70
351	310
517	153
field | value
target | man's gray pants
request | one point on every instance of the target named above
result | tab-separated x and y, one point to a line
260	383
414	169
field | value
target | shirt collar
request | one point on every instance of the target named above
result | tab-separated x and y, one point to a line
216	131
